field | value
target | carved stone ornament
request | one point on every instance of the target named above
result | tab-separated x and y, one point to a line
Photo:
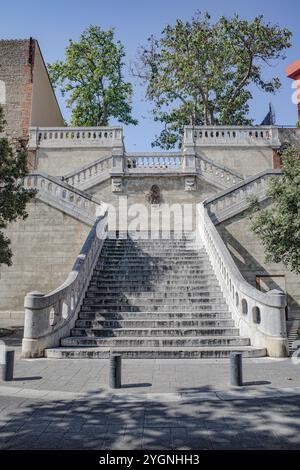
154	196
116	185
190	184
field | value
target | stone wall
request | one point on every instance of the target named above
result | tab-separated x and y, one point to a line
246	160
290	135
27	95
45	246
248	254
16	73
59	162
172	190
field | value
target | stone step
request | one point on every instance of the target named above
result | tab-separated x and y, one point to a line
163	254
153	264
172	250
132	287
95	292
144	285
147	323
155	259
172	297
216	352
154	332
113	315
113	277
183	253
221	306
137	341
144	301
180	247
152	242
181	271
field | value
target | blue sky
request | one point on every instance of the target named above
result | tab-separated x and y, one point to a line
54	22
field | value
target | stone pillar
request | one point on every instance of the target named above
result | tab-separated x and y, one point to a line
118	160
117	171
34	324
189	152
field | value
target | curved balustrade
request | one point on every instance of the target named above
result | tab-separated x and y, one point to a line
259	316
235	199
151	163
89	172
50	317
217	173
75	136
232	135
60	195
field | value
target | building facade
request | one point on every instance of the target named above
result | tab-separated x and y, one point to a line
80	172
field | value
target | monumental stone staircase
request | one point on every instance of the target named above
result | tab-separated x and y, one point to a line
153	299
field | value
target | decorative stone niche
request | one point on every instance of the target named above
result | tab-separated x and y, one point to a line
190	183
117	185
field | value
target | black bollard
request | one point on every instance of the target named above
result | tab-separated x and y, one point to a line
115	371
8	366
236	370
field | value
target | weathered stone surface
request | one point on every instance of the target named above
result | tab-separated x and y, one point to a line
248	254
44	247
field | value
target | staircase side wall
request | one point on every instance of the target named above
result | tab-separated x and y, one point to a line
248	254
60	161
247	161
44	246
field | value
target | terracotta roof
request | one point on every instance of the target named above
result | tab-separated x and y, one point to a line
293	70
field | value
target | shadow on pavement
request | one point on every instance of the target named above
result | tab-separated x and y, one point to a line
106	421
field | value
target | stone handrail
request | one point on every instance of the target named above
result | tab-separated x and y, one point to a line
90	174
259	316
239	136
62	196
50	317
59	137
233	200
216	173
153	162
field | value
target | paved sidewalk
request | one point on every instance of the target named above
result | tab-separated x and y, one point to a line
163	404
99	421
144	376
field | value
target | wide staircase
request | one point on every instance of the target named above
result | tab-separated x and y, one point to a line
154	299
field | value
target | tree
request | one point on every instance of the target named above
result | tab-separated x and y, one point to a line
279	226
13	195
91	77
199	73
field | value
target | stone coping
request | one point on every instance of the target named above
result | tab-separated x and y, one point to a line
241	184
86	166
63	184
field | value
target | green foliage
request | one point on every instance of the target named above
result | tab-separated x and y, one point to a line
13	196
253	204
199	73
279	227
91	77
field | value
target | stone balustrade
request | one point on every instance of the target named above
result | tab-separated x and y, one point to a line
259	316
240	136
216	173
236	198
64	137
90	173
153	162
50	317
58	194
